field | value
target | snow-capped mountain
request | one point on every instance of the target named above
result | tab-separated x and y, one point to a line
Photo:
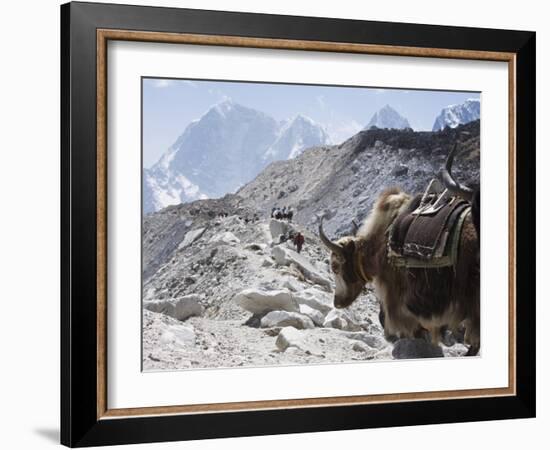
455	115
223	150
294	137
387	117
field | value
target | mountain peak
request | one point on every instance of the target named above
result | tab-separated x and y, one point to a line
300	116
455	115
224	107
301	119
388	117
295	135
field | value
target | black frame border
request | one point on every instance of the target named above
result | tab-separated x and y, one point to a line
79	423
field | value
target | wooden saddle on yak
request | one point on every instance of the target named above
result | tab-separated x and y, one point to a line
427	234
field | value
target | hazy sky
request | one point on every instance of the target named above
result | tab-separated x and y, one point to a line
170	105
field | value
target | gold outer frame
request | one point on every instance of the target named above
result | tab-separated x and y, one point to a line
103	36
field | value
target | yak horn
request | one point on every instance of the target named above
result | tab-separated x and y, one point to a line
450	183
332	246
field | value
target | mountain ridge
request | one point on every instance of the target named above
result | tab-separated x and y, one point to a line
459	114
342	181
223	150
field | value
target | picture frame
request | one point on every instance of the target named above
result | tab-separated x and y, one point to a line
86	418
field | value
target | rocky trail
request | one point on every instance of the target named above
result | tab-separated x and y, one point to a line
223	291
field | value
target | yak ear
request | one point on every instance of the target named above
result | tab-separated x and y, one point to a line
348	244
349	250
349	255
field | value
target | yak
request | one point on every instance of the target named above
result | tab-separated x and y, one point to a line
412	300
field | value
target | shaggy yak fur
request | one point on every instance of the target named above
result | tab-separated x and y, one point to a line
411	300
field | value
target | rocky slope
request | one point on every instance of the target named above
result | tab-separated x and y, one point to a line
343	181
226	292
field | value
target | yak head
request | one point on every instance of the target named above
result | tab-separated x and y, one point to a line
354	260
343	262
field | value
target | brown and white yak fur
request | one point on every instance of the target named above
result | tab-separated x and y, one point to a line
411	299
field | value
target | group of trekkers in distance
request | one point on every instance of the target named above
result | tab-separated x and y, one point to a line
246	219
283	213
286	213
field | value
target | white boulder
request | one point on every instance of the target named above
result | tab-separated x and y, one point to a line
340	320
178	336
279	255
180	308
286	257
315	315
261	302
371	340
286	319
289	337
225	238
267	262
314	298
191	236
291	284
278	227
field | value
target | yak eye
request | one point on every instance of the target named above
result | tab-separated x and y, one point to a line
335	267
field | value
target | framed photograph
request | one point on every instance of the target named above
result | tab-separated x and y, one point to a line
276	224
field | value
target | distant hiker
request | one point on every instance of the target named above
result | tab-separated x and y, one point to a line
299	241
289	214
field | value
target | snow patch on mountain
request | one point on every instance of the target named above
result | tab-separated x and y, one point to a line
294	137
161	190
455	115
